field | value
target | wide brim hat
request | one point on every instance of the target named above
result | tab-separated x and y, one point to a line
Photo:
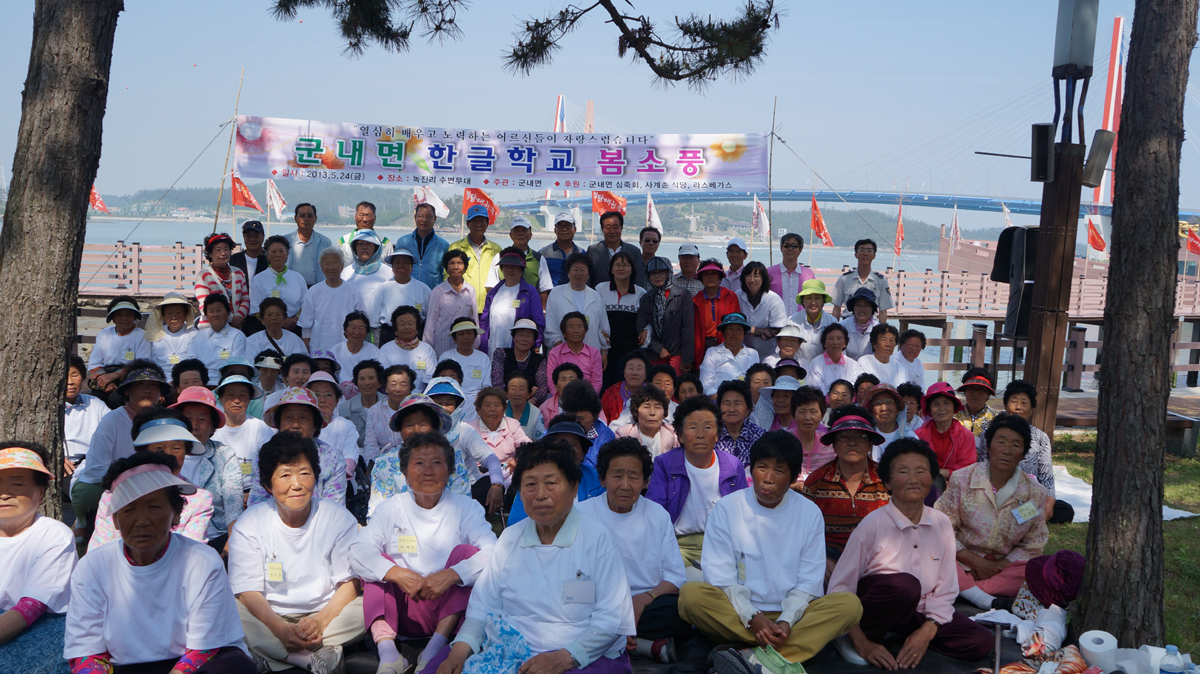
255	391
1056	579
790	330
523	324
659	264
862	294
884	388
367	235
940	389
709	267
463	326
571	428
511	260
784	383
733	318
293	396
269	362
813	287
237	360
144	479
978	381
400	252
143	374
119	306
154	324
852	422
19	457
200	395
420	401
167	429
788	362
325	354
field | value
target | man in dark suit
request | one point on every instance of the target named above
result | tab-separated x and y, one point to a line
252	250
612	223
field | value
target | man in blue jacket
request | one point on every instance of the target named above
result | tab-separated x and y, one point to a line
426	246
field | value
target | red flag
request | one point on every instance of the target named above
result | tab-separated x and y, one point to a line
899	229
96	202
1095	238
473	196
242	197
603	202
1193	242
818	225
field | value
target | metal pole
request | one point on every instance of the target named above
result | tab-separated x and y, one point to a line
770	164
232	130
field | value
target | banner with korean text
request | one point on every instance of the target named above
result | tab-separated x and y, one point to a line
274	148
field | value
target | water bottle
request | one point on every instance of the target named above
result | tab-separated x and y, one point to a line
1172	662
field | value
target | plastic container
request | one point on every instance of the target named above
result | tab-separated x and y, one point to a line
1172	662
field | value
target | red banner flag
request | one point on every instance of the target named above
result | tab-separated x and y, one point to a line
473	196
604	202
1193	242
242	197
899	229
1095	237
818	225
96	202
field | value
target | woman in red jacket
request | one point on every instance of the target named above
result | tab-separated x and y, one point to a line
634	367
953	443
711	304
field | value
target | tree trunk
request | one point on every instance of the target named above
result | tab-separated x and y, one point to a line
57	154
1123	585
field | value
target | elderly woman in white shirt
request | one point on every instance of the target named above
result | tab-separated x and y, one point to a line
156	599
763	308
575	295
729	360
420	555
289	565
278	281
171	335
555	596
862	309
645	537
647	409
883	361
832	363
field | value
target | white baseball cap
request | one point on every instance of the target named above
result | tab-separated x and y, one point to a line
737	241
565	216
520	221
689	249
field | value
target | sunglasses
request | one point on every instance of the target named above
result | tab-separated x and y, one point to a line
790	246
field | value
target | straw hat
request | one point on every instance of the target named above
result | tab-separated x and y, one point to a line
154	324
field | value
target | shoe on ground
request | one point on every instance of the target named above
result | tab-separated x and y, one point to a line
397	667
730	661
1003	603
327	660
845	648
261	663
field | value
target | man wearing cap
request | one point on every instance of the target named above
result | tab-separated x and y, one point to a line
402	290
789	275
479	250
364	218
649	238
306	245
977	387
252	250
510	300
537	273
562	248
711	305
427	247
689	263
863	277
735	252
612	223
812	318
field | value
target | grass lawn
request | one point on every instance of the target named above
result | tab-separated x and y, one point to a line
1181	537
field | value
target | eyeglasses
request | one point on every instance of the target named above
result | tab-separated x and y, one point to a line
853	438
790	246
563	225
323	396
654	241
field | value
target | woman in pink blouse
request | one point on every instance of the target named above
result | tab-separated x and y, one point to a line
501	433
449	300
900	562
218	276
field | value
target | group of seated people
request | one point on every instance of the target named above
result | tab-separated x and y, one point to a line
770	516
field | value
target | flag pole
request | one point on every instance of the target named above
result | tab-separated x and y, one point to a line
813	238
232	130
770	163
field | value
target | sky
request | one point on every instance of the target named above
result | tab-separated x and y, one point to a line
872	95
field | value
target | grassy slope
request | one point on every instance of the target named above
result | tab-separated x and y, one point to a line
1181	537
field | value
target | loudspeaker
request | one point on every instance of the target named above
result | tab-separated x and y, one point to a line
1041	154
1097	159
1014	264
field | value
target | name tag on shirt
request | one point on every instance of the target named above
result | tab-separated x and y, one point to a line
420	365
476	374
579	592
419	307
225	354
1025	512
173	359
516	304
274	293
246	468
129	355
274	572
405	544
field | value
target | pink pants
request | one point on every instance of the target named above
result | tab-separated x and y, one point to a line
388	611
676	363
1004	584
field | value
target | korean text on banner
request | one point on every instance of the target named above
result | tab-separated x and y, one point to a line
269	147
604	202
242	196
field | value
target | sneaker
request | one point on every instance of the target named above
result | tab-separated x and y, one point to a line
1003	603
730	661
327	660
261	663
398	667
845	648
663	650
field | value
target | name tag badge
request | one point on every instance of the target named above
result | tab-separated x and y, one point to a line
406	544
419	307
274	293
246	468
1025	512
173	359
129	355
476	374
579	592
420	365
225	354
516	304
274	572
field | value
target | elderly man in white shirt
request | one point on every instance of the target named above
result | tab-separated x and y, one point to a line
728	360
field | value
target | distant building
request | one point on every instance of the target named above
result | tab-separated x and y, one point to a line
182	212
345	211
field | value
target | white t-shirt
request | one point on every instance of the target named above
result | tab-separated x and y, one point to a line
80	421
325	310
392	294
914	370
348	361
149	613
902	431
291	291
367	284
705	491
341	434
38	563
579	297
172	348
477	369
315	557
455	520
501	316
114	349
422	360
245	441
645	538
110	441
289	342
892	372
223	345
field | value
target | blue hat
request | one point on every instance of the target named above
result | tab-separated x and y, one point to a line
255	391
444	388
862	294
571	428
477	211
399	253
733	318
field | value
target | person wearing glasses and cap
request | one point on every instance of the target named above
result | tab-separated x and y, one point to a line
219	276
789	276
116	347
39	558
510	300
402	289
612	224
730	358
711	305
537	272
480	252
563	247
252	253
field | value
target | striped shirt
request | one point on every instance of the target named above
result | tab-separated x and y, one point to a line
841	509
236	289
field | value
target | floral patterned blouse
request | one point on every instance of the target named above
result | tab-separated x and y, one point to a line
987	528
387	478
331	486
193	523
